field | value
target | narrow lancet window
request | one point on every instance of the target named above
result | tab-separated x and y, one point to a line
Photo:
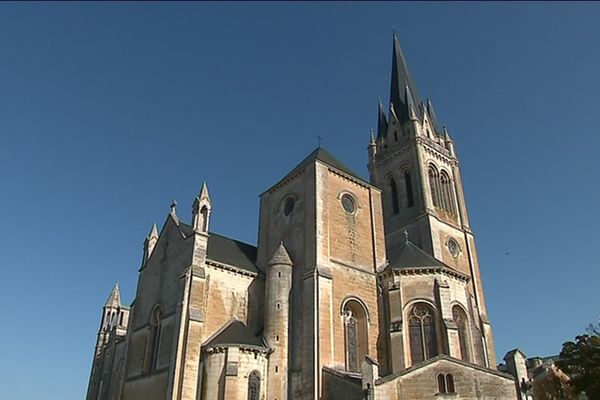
156	331
254	385
408	186
355	327
394	195
460	318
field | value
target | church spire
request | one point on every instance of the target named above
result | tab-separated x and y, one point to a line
114	299
201	210
401	79
382	122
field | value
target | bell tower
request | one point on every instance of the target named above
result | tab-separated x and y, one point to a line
413	161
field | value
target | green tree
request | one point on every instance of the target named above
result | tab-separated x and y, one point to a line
581	361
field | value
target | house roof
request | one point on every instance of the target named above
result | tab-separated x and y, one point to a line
410	255
226	250
235	333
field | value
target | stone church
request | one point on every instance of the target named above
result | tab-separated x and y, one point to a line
356	290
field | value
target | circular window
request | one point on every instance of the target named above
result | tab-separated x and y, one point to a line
288	206
453	247
348	203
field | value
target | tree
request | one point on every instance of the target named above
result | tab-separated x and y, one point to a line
581	361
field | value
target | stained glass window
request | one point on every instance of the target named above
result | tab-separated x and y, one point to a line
422	336
254	385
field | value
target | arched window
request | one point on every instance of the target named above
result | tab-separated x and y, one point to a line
441	381
254	385
204	213
394	195
434	186
355	327
447	193
449	383
408	186
155	337
460	318
445	383
422	337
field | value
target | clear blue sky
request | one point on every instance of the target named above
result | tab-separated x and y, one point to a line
108	111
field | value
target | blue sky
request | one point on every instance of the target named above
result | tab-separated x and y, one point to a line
109	111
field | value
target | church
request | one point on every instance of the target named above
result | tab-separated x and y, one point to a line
356	289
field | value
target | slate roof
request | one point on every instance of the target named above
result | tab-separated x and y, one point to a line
226	250
235	333
325	157
401	78
410	256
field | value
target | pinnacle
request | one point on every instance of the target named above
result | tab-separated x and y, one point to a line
204	192
114	299
280	256
153	232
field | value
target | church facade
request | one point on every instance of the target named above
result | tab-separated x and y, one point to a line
356	290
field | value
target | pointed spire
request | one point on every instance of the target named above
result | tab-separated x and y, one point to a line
400	79
114	299
150	243
411	112
204	192
382	123
153	232
446	134
201	210
432	116
393	115
280	257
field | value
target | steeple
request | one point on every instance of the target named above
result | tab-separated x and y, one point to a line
201	210
382	123
114	299
401	79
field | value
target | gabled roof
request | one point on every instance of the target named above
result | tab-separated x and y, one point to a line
512	353
232	252
322	155
437	359
225	250
235	333
410	256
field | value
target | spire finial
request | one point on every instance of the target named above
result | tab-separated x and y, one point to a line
319	138
174	207
153	232
372	136
406	236
204	191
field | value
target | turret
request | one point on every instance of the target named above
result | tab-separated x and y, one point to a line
278	285
200	220
201	210
114	318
